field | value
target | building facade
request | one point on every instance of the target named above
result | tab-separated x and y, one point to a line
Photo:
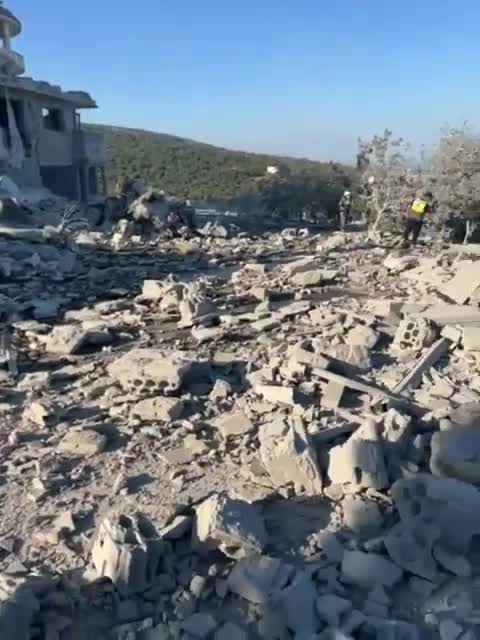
42	142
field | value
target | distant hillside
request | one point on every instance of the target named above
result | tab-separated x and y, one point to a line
195	170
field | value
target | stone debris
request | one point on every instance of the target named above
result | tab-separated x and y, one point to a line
471	338
367	570
233	526
253	449
234	424
82	442
360	462
464	283
129	552
67	339
164	409
289	457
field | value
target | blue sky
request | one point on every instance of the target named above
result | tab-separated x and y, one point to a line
303	77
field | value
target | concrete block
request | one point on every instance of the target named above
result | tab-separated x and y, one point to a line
289	457
413	334
233	526
145	370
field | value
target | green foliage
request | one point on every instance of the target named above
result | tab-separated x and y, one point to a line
203	172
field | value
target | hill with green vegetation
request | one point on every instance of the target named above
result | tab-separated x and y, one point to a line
201	171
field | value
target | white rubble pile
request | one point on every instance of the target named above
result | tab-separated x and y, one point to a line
279	442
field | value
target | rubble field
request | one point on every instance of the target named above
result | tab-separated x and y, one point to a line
272	437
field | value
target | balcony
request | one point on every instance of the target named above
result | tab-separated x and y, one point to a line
89	147
11	62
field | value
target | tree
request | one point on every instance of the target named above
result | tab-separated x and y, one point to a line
455	173
301	197
388	183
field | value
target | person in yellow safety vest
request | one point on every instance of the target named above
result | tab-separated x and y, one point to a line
415	218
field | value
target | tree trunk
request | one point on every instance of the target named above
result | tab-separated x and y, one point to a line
374	227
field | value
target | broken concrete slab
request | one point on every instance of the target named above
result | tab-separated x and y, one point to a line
456	454
359	463
356	385
158	408
362	516
311	278
368	570
332	608
445	502
289	457
66	339
298	604
332	396
471	338
362	336
177	528
443	314
463	284
397	264
276	394
410	546
258	578
82	442
234	424
129	552
233	526
295	309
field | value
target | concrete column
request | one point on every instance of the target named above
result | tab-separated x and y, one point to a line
6	35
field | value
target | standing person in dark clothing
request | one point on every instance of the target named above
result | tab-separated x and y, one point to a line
344	209
415	218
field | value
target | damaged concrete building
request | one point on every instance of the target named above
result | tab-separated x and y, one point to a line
42	143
